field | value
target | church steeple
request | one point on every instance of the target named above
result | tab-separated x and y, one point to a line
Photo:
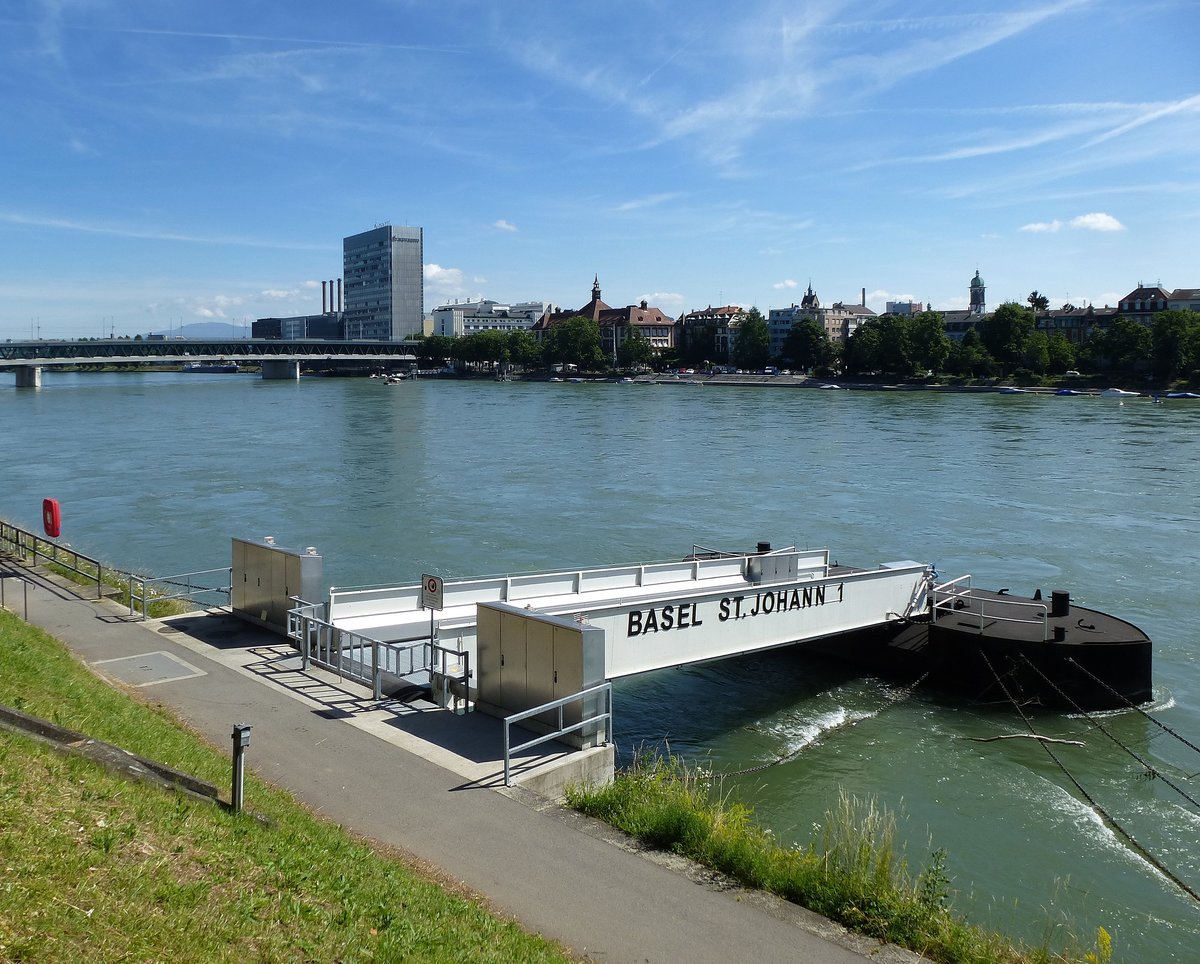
596	288
978	302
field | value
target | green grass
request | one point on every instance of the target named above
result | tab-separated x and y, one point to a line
93	867
852	874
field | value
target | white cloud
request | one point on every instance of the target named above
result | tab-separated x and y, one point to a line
503	225
660	299
1097	221
786	283
649	201
444	283
277	293
1043	227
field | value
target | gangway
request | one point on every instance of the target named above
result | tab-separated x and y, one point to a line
662	614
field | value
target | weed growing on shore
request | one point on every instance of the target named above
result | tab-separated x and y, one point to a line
853	872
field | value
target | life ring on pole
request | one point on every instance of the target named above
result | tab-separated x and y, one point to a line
51	517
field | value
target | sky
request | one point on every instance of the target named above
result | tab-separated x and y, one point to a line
167	162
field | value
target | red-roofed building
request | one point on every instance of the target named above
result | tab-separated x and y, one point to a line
615	323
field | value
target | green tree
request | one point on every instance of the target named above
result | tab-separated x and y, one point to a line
863	352
524	349
699	343
969	358
1125	346
1037	301
635	349
483	348
895	346
1004	333
1035	353
930	344
752	349
575	341
807	345
1061	354
1174	340
436	349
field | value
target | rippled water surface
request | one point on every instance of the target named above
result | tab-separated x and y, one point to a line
158	471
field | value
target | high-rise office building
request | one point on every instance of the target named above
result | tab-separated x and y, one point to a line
384	274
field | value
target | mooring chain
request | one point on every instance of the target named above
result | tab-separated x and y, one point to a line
902	694
1133	706
1152	770
1104	815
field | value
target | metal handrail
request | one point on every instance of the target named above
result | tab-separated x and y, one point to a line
318	640
141	588
941	595
28	543
606	716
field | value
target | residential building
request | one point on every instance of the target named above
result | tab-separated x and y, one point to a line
904	309
469	317
383	270
711	326
781	320
1143	303
1184	299
1076	324
839	320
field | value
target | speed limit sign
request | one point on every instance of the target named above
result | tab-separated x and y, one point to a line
431	592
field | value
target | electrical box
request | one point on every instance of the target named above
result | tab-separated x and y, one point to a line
265	577
527	658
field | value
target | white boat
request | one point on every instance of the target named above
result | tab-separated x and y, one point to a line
831	386
1118	393
1010	390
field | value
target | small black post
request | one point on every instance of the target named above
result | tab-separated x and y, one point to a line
241	740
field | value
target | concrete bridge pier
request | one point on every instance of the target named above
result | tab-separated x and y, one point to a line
276	370
29	377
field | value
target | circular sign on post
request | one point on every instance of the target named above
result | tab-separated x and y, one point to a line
431	592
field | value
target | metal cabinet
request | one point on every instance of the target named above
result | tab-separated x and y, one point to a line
265	577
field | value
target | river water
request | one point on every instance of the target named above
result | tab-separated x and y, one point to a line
156	471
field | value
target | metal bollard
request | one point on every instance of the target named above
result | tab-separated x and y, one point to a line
241	740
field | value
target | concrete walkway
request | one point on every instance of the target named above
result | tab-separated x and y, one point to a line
431	783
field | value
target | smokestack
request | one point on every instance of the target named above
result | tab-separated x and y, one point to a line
864	300
340	307
322	297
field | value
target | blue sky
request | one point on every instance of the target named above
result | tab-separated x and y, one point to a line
164	163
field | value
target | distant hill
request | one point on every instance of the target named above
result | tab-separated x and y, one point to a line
207	330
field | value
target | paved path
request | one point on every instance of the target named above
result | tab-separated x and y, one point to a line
428	782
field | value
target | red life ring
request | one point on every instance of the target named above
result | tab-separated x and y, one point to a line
51	517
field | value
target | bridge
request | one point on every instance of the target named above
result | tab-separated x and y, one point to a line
277	359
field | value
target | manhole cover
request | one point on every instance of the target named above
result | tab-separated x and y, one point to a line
147	669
